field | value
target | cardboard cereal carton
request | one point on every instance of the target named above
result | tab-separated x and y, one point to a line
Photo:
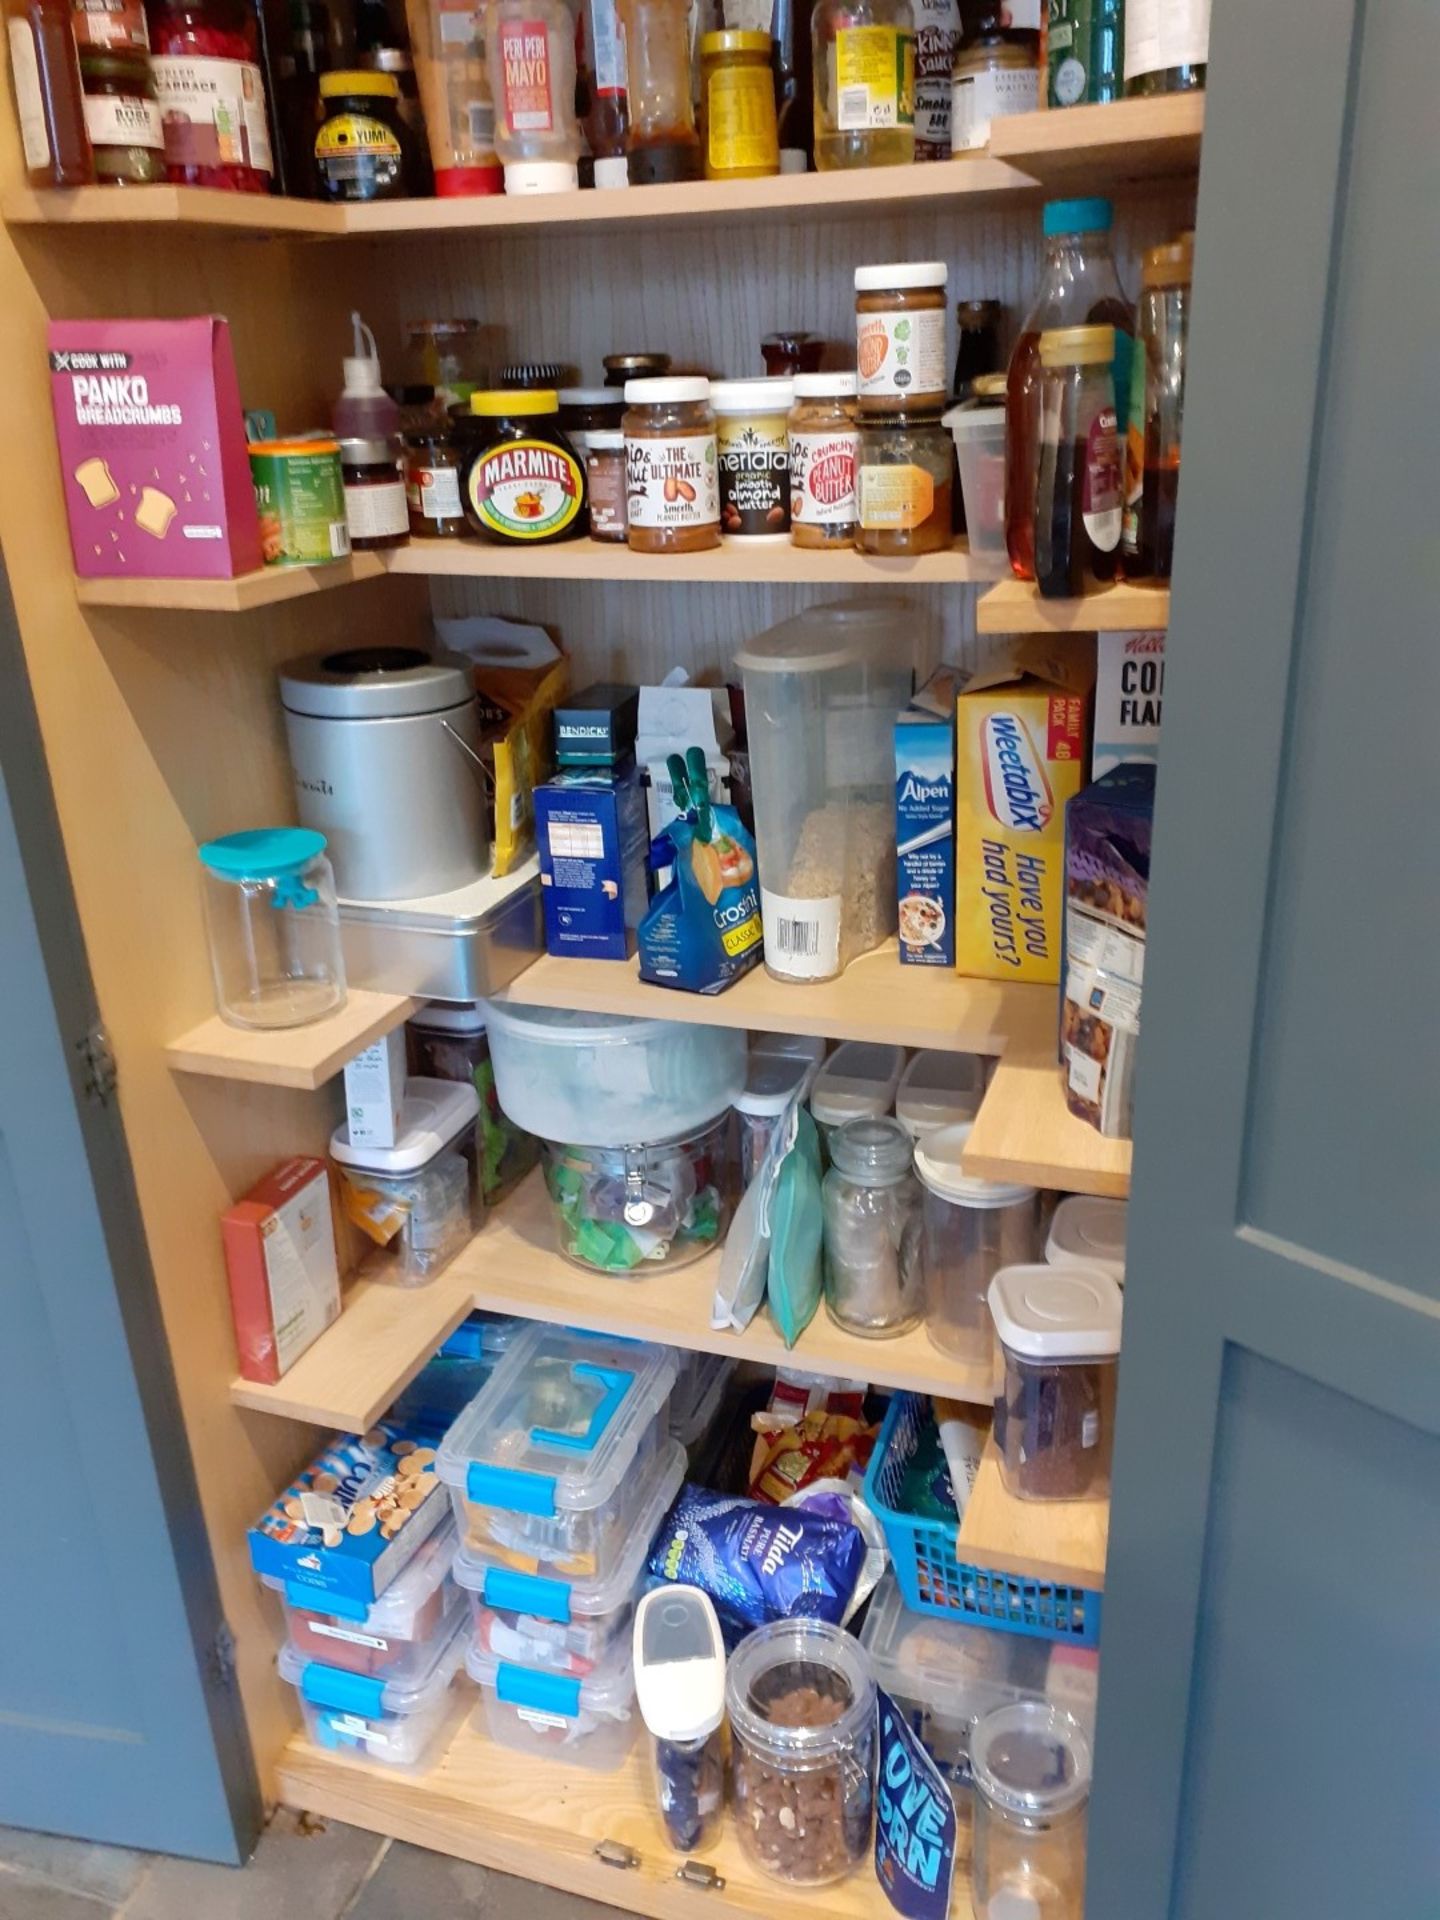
1021	751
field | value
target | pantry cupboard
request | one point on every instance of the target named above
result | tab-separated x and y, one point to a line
1277	1450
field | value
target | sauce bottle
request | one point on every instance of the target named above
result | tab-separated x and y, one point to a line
790	24
664	143
1157	406
45	73
1079	485
601	90
364	411
530	48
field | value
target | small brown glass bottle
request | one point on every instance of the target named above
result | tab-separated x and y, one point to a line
1079	492
45	73
375	505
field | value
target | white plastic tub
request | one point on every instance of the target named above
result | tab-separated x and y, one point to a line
1090	1231
586	1722
397	1724
979	436
420	1200
400	1637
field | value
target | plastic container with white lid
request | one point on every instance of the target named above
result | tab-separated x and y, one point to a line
399	1725
858	1081
1059	1329
979	437
969	1230
399	1636
450	1043
1091	1231
584	1722
532	1620
1031	1764
607	1080
775	1079
680	1686
549	1462
419	1200
939	1089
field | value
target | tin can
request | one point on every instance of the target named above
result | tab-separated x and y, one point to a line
300	498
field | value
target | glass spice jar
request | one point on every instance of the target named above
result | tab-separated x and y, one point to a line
824	442
376	509
874	1272
605	482
122	118
672	480
738	131
903	480
432	484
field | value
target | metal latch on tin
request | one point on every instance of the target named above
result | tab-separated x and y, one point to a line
698	1873
614	1853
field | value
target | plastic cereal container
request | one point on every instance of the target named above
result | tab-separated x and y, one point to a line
1059	1328
547	1466
399	1637
939	1089
969	1230
399	1724
420	1200
857	1082
777	1075
586	1722
531	1620
1091	1232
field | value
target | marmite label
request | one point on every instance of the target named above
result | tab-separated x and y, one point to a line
525	490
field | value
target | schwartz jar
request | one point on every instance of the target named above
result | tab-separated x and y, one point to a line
671	466
753	444
824	443
874	1274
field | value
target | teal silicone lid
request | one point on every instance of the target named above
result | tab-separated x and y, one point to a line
1078	216
263	854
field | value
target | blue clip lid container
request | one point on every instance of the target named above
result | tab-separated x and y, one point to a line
398	1724
274	927
585	1722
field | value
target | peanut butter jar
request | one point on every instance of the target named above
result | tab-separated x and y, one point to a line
900	336
672	481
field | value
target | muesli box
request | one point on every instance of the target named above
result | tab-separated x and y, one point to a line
152	449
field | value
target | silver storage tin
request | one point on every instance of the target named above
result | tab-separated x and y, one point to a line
464	945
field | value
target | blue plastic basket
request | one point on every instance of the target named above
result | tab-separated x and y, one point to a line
932	1580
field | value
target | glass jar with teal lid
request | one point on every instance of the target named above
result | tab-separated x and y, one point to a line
274	927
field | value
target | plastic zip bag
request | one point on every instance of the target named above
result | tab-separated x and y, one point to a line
795	1277
745	1257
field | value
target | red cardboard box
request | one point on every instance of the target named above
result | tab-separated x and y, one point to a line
284	1278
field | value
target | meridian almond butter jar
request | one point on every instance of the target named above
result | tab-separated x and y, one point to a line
900	336
753	441
672	480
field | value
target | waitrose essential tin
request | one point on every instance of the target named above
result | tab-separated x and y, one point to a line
300	497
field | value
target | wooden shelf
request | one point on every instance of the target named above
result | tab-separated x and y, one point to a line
302	1057
1016	606
1062	1540
874	999
255	215
261	589
1130	140
1024	1131
527	1814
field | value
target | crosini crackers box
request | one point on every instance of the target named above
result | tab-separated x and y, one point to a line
1021	748
152	449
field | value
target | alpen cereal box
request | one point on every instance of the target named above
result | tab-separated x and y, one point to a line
1021	750
152	449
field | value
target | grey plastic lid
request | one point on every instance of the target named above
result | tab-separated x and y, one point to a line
1031	1759
373	683
1056	1313
432	1114
442	1016
840	634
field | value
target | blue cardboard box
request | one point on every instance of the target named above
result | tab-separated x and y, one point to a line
590	826
925	823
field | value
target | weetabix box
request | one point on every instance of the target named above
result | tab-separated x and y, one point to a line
1021	751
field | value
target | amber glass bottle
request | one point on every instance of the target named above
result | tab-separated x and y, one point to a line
45	72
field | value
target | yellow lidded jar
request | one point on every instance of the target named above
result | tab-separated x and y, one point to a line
738	128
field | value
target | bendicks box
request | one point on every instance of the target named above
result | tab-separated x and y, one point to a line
152	449
590	830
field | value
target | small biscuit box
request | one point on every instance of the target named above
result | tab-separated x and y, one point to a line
356	1517
152	449
1021	745
925	823
280	1256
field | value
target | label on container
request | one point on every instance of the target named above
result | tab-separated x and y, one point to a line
525	66
894	498
25	73
375	512
754	457
1134	453
673	482
607	48
802	937
526	489
1160	34
916	1826
822	478
1102	493
110	25
213	112
354	1728
352	137
740	121
901	352
875	78
351	1635
978	98
434	492
937	34
123	120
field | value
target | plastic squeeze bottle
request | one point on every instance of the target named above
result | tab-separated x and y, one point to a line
530	45
364	411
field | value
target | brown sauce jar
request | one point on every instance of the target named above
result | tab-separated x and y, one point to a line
672	481
900	314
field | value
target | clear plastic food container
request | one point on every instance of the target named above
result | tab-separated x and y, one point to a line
451	1043
979	436
821	695
398	1724
680	1686
1089	1231
1059	1330
531	1620
776	1078
969	1230
274	927
801	1702
642	1209
419	1200
607	1079
586	1722
447	1384
857	1082
939	1090
547	1467
696	1400
1031	1763
399	1637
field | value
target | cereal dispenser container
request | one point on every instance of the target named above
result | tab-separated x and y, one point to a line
821	695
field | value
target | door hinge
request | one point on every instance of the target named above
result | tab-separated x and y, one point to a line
220	1659
615	1853
101	1077
699	1873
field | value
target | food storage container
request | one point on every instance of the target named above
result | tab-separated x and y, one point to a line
979	436
801	1702
1086	1230
273	926
1059	1331
450	1043
549	1462
532	1620
821	695
776	1078
607	1079
1031	1763
419	1200
400	1724
643	1208
969	1230
680	1686
587	1722
695	1401
446	1384
858	1081
399	1637
939	1089
871	1204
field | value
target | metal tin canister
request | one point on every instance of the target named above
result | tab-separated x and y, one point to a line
300	497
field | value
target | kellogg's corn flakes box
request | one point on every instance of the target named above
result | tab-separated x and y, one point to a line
1021	744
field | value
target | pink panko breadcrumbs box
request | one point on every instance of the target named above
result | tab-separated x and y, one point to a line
152	449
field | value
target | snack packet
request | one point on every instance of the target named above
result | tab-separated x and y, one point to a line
702	933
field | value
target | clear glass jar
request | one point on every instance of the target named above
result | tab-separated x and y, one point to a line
801	1704
1031	1767
530	50
622	1210
376	510
969	1229
824	442
1157	411
863	54
995	74
874	1280
672	473
904	478
274	927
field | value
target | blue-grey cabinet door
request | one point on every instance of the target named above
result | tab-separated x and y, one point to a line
119	1719
1269	1738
